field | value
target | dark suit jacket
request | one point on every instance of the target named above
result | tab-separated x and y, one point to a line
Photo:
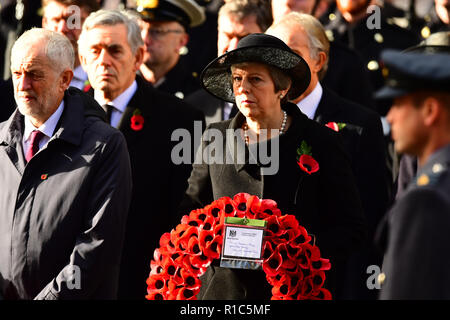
363	140
416	262
345	63
325	202
158	183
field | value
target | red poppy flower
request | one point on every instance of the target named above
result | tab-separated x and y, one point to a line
321	264
267	249
137	122
193	246
187	294
302	238
308	164
200	261
333	125
208	224
205	237
318	279
155	295
273	227
182	242
190	280
287	262
243	203
166	245
214	210
198	214
265	208
272	265
87	86
226	205
288	222
213	248
286	286
312	252
157	283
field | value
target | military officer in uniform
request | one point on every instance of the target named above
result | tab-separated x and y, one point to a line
436	20
416	263
164	25
362	26
438	42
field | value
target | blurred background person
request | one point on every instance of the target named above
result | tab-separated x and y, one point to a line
164	26
344	63
436	43
236	19
67	17
416	227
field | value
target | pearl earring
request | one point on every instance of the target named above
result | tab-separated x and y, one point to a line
281	96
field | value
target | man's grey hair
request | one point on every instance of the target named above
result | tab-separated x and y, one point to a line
112	18
58	48
317	37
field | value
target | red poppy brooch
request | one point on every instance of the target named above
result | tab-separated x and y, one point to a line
336	126
87	86
137	120
292	264
305	160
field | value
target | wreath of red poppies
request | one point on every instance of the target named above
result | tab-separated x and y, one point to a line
293	266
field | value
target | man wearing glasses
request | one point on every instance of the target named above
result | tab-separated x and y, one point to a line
163	28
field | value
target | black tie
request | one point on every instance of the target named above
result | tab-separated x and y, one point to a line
109	109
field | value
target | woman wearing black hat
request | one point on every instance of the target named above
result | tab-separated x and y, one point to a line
261	75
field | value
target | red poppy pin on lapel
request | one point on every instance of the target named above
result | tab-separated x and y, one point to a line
336	126
305	160
137	120
87	86
44	176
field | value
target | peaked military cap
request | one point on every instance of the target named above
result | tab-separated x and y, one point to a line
438	42
406	72
186	12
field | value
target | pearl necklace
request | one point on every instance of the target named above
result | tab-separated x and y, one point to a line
282	128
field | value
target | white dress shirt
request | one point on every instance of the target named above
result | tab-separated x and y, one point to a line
308	105
120	103
47	128
79	78
227	110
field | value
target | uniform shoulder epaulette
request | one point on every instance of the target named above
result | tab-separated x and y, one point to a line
432	175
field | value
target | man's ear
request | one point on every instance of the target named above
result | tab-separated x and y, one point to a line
139	58
66	78
82	60
320	61
431	111
184	39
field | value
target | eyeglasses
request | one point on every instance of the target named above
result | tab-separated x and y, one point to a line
157	34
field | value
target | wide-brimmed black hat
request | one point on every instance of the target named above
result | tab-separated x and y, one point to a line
256	47
187	12
407	72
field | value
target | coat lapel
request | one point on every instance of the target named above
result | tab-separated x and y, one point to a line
136	102
325	110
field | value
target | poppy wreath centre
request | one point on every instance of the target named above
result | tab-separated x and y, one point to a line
292	264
